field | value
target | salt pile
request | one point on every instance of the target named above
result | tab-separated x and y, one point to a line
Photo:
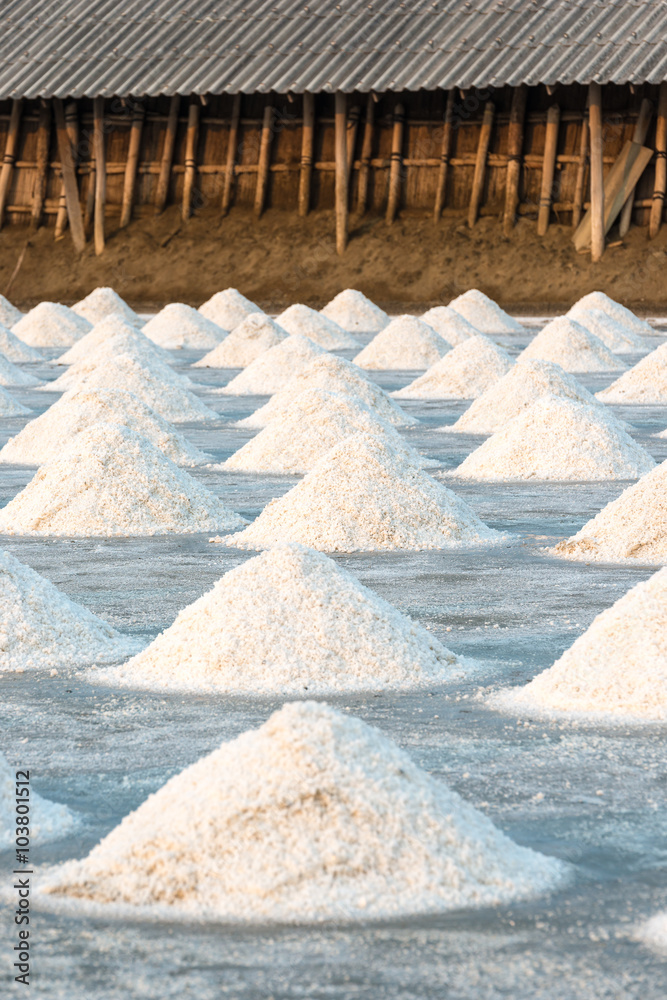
406	343
111	348
43	438
558	439
356	313
274	368
466	372
51	324
256	334
15	349
627	319
613	335
449	324
314	816
10	407
116	333
103	302
654	932
634	526
484	314
523	385
618	667
228	309
111	481
365	495
335	375
180	326
571	346
11	374
314	628
48	820
9	314
42	628
645	383
300	319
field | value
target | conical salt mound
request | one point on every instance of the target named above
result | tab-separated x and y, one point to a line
407	343
111	481
632	527
9	314
103	302
51	324
354	312
523	385
335	375
315	629
48	820
617	667
451	326
121	344
613	334
365	495
274	368
10	407
113	335
484	314
627	319
256	334
645	383
314	816
42	628
43	438
14	349
570	345
300	319
11	374
464	373
558	439
228	309
180	326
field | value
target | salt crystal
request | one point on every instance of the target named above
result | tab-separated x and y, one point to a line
14	349
356	313
407	343
618	338
571	346
9	314
464	373
11	374
300	319
102	302
598	300
653	933
274	368
484	314
48	820
451	326
180	326
256	334
645	383
228	308
51	324
112	335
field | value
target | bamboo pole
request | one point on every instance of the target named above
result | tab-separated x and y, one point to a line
307	141
72	127
366	152
597	171
396	167
445	153
514	151
578	201
9	157
638	136
264	160
352	126
42	163
162	190
548	169
657	208
69	178
100	173
341	172
480	163
131	166
190	160
232	144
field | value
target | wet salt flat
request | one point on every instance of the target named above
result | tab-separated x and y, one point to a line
593	795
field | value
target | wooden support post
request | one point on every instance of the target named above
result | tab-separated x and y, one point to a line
548	169
10	157
69	177
514	151
190	159
578	202
42	163
480	163
396	166
352	126
639	136
89	213
100	173
232	145
341	172
660	185
72	126
445	153
307	142
366	152
264	160
162	190
597	171
131	165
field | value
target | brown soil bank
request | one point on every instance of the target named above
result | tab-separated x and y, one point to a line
280	259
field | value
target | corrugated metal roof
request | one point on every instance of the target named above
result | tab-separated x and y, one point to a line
149	47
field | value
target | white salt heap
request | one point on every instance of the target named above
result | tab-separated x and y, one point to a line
523	385
10	407
307	322
464	373
274	368
116	333
11	374
632	527
315	628
645	383
111	481
365	495
571	346
256	334
406	343
558	439
484	314
335	375
42	628
618	338
228	309
449	324
9	314
51	324
314	816
103	302
354	312
112	348
180	326
48	820
618	667
654	933
14	349
627	319
43	438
